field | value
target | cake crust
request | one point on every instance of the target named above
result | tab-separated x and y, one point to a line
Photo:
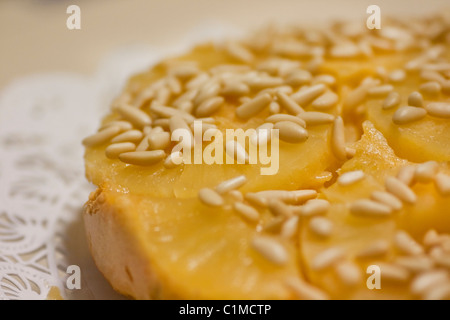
117	253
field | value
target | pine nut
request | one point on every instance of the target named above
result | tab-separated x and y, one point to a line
426	171
253	106
405	115
391	101
288	103
209	106
388	199
142	158
304	96
326	101
114	150
128	136
338	139
231	184
210	197
285	117
314	118
101	137
271	249
248	212
350	177
291	132
134	115
415	99
321	226
439	109
367	207
400	190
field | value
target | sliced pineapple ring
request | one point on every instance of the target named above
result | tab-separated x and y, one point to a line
361	236
418	141
184	181
184	249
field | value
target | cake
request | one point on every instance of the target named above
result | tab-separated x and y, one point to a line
295	163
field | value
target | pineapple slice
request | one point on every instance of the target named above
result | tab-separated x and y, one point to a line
418	141
411	141
352	236
179	248
294	170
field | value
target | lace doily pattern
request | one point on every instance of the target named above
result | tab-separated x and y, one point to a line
42	185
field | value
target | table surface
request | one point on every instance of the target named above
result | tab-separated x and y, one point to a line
35	37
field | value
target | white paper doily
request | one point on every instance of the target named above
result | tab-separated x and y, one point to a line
43	119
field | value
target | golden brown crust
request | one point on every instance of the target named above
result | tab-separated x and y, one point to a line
116	251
